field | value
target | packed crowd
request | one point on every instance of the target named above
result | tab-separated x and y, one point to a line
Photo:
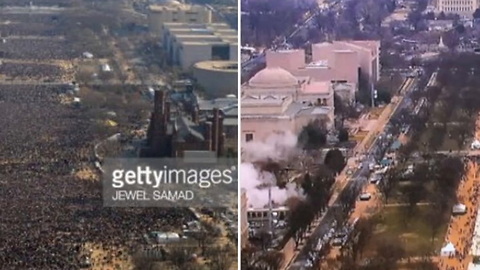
47	214
37	49
35	24
31	18
37	2
23	29
30	71
461	228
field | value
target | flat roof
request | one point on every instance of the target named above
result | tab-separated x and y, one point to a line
175	25
226	66
263	101
201	34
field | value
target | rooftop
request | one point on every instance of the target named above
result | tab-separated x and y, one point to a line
317	88
259	100
174	5
226	66
201	33
273	77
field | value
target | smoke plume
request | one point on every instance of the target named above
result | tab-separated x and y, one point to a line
278	147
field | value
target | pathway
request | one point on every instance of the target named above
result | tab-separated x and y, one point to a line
461	228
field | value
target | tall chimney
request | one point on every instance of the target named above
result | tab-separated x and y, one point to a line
208	135
195	115
221	136
221	145
167	111
215	135
159	102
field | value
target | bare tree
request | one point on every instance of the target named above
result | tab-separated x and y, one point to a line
389	182
221	258
271	260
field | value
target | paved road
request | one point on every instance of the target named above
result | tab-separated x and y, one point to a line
466	153
356	184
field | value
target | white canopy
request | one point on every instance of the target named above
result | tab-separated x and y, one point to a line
459	209
475	144
448	250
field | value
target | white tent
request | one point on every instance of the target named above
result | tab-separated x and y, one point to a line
475	144
459	209
448	250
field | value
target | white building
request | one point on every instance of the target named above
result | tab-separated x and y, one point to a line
187	44
275	101
461	7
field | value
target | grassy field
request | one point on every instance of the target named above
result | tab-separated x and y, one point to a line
449	142
414	232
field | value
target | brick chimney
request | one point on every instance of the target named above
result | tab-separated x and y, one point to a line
167	111
221	145
159	102
208	135
215	130
195	115
221	135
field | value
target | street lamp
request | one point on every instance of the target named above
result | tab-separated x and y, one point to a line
374	95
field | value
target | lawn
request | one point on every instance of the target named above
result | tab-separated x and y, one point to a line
414	232
449	142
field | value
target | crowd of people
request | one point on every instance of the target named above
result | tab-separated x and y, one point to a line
23	29
37	49
30	71
47	214
461	228
35	24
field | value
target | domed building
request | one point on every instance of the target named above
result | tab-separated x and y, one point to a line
273	78
275	101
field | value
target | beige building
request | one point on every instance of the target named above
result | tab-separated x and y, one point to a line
331	61
173	11
186	44
461	7
275	101
243	219
217	78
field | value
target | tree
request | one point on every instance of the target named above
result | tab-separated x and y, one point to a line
462	130
389	251
442	16
339	108
343	135
335	160
221	258
460	29
384	96
361	235
317	187
476	14
180	256
436	218
413	194
347	199
364	93
436	137
298	220
313	136
415	17
271	260
389	182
